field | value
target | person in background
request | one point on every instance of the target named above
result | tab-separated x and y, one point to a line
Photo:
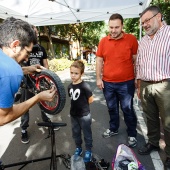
93	60
115	76
38	56
153	79
81	96
16	41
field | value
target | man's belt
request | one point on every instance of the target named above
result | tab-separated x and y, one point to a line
154	82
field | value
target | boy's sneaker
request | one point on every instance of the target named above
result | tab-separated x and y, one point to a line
17	97
78	152
132	142
109	133
24	137
87	156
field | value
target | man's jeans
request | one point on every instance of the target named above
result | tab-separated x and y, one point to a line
122	93
25	118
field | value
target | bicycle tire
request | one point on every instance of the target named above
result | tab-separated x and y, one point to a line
47	79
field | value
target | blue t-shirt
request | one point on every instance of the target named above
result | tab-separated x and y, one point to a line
11	75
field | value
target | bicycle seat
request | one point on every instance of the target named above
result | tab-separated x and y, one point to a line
51	124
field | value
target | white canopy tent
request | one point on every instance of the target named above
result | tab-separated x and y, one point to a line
54	12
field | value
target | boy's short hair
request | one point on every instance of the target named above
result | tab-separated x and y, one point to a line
78	64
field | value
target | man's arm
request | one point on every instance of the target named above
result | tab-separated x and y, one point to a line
45	63
9	114
134	59
32	69
99	68
134	64
137	72
138	87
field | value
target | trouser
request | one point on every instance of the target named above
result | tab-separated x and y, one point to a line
122	93
156	104
26	94
82	124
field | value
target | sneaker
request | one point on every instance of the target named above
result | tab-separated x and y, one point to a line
78	152
132	142
24	137
109	133
17	96
167	163
87	156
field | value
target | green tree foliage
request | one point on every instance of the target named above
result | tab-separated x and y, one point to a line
92	34
132	25
164	5
87	33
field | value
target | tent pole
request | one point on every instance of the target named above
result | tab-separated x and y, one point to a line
140	31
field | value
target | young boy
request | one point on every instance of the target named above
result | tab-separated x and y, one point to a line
81	96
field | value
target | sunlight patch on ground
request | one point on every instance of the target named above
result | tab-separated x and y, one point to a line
32	150
93	120
7	134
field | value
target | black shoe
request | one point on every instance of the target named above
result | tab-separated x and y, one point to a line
147	149
17	97
24	137
167	163
132	142
108	133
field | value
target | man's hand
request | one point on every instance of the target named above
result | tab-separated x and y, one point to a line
32	69
47	95
100	84
137	84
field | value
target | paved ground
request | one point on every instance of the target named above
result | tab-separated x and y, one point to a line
12	150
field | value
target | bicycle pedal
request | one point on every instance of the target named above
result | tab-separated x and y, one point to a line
1	166
105	165
67	163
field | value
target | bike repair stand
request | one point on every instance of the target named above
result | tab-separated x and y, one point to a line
53	163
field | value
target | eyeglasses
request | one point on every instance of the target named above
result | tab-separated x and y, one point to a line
147	20
28	52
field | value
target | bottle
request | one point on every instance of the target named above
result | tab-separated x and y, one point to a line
77	163
132	166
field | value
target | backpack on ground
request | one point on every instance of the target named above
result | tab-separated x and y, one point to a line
125	159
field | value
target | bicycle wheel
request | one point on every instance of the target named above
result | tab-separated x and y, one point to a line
46	79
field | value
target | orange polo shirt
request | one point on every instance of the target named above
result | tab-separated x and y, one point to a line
118	57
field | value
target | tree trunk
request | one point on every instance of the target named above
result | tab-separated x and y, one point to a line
47	32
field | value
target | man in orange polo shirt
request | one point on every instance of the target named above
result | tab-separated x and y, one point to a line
115	76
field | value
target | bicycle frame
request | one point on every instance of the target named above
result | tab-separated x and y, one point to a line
53	162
